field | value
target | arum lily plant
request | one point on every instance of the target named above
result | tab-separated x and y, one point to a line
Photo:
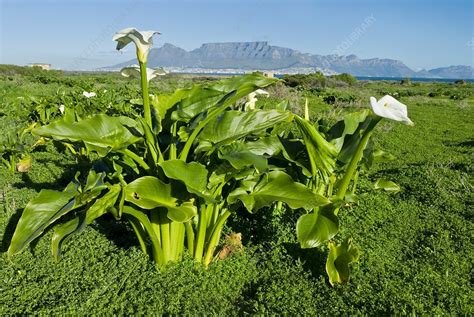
330	167
180	170
176	174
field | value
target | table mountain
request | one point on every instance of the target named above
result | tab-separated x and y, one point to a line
248	56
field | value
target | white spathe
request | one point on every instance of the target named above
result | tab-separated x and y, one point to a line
390	108
143	41
252	98
88	94
61	108
134	70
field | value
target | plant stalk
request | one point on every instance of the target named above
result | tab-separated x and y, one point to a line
165	236
214	239
353	164
145	95
137	159
190	237
201	234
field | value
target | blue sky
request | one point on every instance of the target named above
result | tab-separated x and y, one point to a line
77	34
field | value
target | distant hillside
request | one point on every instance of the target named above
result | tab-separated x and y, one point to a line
245	56
459	71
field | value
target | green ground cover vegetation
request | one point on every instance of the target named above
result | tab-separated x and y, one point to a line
416	244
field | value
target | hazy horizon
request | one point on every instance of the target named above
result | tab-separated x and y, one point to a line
74	34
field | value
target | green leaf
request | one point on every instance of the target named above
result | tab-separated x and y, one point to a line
322	154
39	213
50	205
99	133
232	125
270	145
95	182
149	192
386	185
239	156
193	101
295	151
64	231
337	264
382	156
317	227
352	140
277	186
193	175
252	81
347	126
143	221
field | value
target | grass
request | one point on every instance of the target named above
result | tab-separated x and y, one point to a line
416	245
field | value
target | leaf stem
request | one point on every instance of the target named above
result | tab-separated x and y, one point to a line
137	159
201	234
190	237
353	164
165	236
214	239
156	247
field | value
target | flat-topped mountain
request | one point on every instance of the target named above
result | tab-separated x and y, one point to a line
247	56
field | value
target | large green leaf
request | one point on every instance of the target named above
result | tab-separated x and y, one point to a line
240	156
149	192
193	175
276	186
347	126
254	81
99	133
295	151
50	205
193	101
322	154
348	141
270	145
232	125
39	213
337	264
318	227
99	208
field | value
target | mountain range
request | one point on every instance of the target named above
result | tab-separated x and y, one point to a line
235	57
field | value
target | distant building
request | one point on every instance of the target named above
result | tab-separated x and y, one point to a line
40	65
269	74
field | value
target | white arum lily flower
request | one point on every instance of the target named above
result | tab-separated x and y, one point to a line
142	39
61	109
88	94
134	71
390	108
252	98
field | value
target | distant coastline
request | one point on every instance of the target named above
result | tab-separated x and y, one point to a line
416	79
413	79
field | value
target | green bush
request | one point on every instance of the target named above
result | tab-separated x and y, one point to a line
346	78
